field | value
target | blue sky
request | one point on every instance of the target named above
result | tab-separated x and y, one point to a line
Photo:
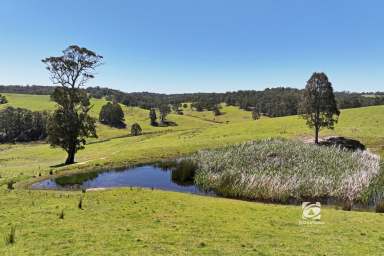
199	45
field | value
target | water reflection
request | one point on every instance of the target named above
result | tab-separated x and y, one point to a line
175	176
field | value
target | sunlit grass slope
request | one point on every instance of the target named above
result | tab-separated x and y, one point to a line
115	147
146	222
229	114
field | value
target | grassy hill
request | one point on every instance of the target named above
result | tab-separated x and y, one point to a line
194	130
172	223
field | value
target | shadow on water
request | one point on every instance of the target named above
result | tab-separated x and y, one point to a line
170	175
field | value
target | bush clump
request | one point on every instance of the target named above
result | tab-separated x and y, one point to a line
3	99
112	114
135	129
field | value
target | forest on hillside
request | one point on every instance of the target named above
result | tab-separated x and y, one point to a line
273	102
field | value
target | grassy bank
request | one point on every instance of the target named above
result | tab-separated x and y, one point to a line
146	222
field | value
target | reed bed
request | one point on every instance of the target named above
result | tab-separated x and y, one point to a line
280	170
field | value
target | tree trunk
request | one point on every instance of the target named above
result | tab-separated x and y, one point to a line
71	156
316	135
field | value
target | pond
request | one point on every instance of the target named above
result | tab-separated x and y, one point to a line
147	176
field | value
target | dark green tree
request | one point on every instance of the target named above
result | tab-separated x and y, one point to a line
71	124
152	116
135	129
198	106
318	106
255	114
176	107
164	110
216	110
112	114
3	99
22	125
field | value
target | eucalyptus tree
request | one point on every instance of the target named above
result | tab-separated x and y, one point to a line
70	124
318	106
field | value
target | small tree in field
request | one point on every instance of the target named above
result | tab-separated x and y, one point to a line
164	110
319	106
70	124
216	110
3	99
152	116
255	114
112	114
135	129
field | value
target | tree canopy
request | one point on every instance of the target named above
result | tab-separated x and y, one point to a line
112	114
22	125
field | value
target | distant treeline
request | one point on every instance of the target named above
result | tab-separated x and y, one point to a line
280	101
22	125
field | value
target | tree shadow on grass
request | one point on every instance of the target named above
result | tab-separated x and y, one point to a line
167	123
60	165
345	143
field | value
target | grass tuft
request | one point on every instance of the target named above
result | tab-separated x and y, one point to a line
61	215
80	204
10	238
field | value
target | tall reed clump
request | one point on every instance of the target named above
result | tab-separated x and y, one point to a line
278	170
10	238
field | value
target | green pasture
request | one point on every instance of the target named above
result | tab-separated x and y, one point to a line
146	222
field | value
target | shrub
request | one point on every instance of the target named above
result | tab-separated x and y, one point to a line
10	185
3	99
135	129
112	114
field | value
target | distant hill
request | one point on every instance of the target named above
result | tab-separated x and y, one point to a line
279	101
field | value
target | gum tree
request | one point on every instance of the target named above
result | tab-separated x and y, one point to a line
71	124
318	106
